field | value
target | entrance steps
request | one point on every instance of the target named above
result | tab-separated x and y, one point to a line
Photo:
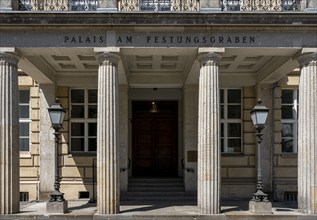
169	190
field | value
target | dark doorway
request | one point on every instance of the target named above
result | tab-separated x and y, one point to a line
154	138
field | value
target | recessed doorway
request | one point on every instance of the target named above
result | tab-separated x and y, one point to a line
154	138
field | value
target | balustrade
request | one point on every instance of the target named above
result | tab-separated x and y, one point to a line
58	5
160	5
260	5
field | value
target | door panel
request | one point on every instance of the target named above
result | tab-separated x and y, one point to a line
154	140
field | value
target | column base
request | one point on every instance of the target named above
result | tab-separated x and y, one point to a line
56	207
260	207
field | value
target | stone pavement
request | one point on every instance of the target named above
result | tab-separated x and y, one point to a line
231	210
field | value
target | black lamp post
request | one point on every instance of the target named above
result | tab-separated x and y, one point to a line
57	114
259	115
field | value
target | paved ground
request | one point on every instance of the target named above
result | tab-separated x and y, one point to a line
83	210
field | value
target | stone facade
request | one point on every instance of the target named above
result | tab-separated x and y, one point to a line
188	57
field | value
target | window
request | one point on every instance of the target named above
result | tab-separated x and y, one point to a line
289	120
24	120
83	126
231	120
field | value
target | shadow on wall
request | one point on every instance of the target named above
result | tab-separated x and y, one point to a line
79	177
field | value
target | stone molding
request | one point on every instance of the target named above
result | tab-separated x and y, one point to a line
307	59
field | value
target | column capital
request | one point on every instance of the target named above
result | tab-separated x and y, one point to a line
209	58
306	59
106	57
11	58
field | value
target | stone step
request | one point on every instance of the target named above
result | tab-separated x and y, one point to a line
159	196
155	188
156	180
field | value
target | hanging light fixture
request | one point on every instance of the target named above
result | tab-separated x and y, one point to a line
153	108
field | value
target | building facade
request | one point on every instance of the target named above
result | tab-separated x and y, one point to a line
158	89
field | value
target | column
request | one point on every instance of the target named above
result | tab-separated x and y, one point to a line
47	143
108	182
307	135
209	135
9	135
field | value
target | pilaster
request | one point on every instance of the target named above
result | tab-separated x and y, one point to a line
6	5
190	127
107	5
108	182
9	134
307	135
210	5
123	119
209	135
309	5
47	144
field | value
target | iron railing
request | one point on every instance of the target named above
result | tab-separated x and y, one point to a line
260	5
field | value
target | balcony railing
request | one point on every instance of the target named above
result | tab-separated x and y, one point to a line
260	5
160	5
58	5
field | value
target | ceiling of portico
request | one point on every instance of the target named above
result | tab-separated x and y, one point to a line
156	67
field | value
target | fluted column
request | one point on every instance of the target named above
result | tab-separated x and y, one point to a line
307	135
209	135
108	183
9	135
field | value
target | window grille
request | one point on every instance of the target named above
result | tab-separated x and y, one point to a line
24	196
290	196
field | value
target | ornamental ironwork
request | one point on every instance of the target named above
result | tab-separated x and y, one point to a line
159	5
260	5
58	5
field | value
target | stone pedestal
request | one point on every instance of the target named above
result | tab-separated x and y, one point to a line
307	135
56	207
9	134
264	208
108	182
209	135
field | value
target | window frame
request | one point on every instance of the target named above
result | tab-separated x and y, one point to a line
225	121
293	121
25	120
86	120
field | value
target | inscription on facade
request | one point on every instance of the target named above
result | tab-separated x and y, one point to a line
234	39
160	40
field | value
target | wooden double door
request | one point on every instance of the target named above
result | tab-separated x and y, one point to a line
154	150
